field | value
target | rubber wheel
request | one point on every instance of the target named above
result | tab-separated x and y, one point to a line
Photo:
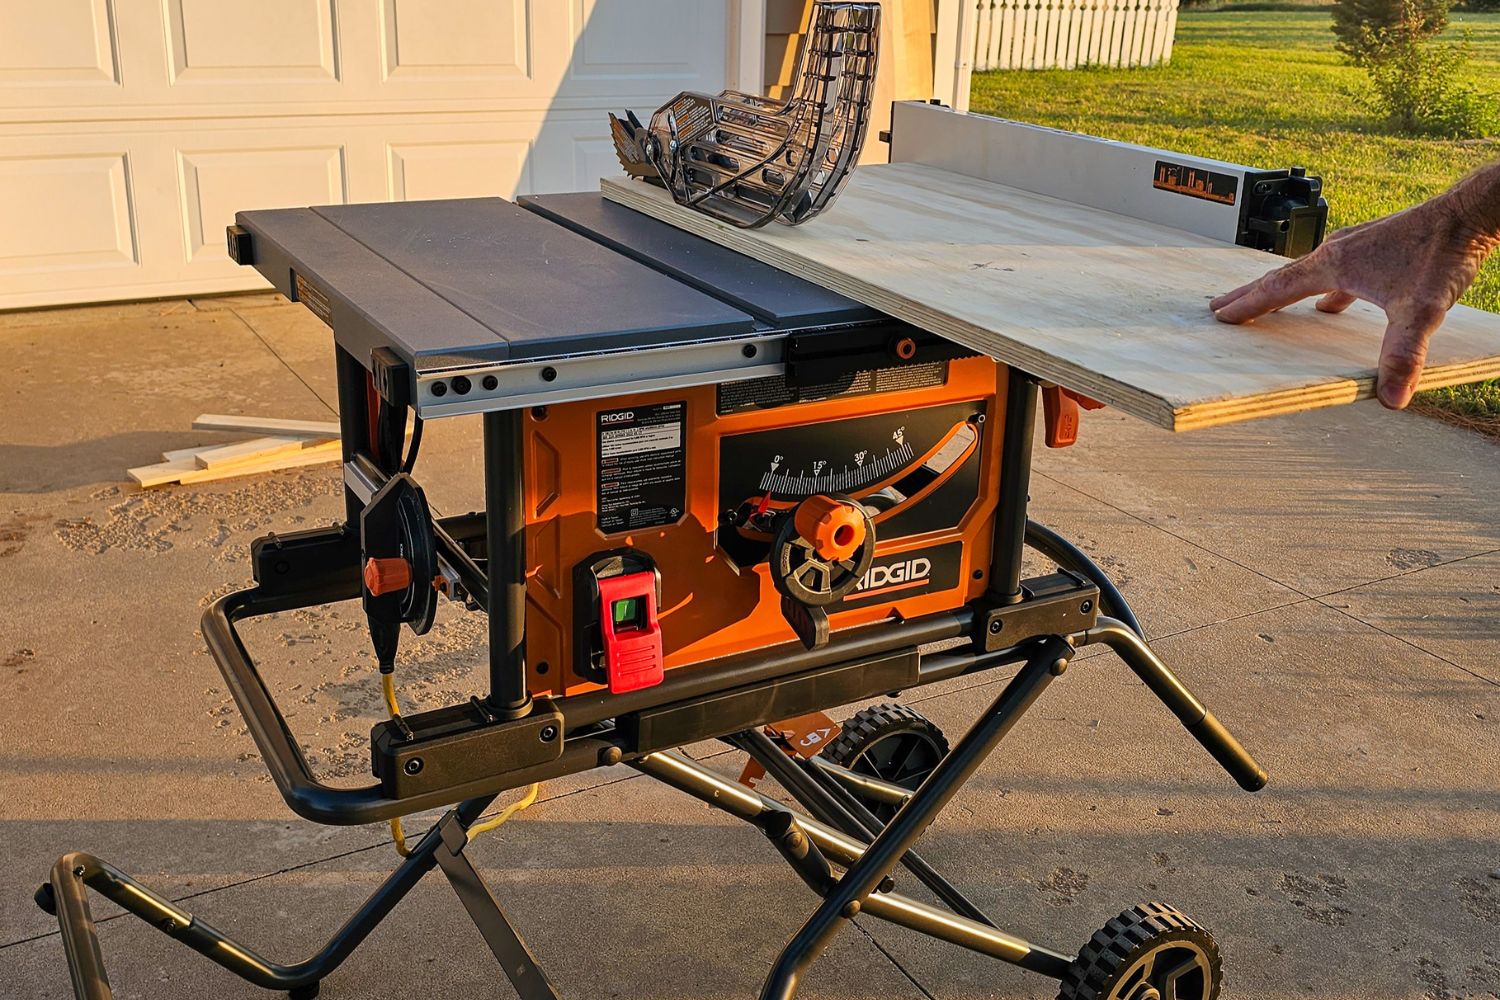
46	899
891	742
1149	952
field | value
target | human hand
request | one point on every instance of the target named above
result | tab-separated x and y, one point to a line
1414	265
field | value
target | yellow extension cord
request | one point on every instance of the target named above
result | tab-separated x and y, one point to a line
398	835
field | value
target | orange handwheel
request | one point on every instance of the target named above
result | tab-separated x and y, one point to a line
833	527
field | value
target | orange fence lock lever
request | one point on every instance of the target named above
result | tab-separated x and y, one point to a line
1060	414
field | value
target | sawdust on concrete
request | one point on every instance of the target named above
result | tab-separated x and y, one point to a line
158	520
332	717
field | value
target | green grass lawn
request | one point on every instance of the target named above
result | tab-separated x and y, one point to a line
1266	88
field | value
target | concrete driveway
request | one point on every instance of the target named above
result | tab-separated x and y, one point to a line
1329	584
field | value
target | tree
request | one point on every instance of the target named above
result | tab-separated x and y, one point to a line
1367	27
1418	80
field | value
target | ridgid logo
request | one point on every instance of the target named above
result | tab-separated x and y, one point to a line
618	417
906	571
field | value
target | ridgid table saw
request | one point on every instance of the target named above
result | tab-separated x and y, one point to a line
719	500
672	437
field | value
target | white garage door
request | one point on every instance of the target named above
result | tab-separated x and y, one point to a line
131	131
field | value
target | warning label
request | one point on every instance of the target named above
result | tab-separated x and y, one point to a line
641	467
691	115
314	298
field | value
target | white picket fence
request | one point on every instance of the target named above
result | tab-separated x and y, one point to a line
1062	34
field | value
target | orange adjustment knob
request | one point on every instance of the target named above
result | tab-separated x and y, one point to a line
834	527
384	576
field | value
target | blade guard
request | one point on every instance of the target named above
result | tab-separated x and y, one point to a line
746	159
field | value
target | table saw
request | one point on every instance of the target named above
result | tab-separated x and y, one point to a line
655	410
719	500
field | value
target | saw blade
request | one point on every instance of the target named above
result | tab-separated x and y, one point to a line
627	136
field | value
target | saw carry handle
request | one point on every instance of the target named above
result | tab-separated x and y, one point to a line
1198	720
1118	629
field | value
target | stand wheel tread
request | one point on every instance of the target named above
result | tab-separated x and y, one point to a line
1150	952
892	742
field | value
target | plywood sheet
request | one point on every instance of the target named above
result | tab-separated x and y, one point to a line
1108	305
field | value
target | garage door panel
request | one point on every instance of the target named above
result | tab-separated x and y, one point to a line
63	59
64	43
632	47
131	131
593	157
475	168
463	39
251	43
66	213
496	53
217	183
572	152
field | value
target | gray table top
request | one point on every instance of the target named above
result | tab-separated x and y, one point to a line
768	293
476	280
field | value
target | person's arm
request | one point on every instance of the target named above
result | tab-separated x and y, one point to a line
1414	265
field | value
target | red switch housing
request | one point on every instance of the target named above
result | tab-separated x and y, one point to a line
630	631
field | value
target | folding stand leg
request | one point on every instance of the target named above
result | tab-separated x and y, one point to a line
65	896
831	804
499	933
883	854
810	845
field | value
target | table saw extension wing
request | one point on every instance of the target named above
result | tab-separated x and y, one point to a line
1095	300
